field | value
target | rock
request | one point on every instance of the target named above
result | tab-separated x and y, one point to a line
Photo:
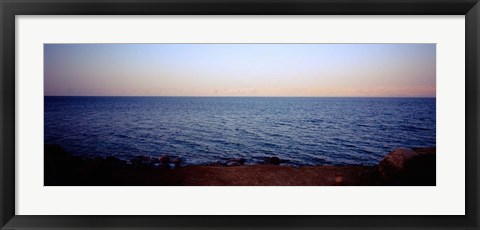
236	162
426	151
140	161
154	160
393	165
273	160
421	170
176	162
217	164
165	159
57	163
111	160
145	161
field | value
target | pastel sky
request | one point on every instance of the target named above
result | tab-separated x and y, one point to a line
332	70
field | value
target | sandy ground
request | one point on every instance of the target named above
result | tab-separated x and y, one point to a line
257	175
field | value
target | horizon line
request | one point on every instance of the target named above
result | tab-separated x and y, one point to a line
244	96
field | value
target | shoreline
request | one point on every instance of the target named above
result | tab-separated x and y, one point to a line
400	167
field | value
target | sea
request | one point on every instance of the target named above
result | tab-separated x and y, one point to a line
201	130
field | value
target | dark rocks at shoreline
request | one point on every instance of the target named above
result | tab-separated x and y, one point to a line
176	162
216	164
64	169
235	162
143	161
405	166
164	159
400	167
273	160
394	163
228	163
61	168
241	161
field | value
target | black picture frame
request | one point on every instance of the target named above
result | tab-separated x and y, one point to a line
10	8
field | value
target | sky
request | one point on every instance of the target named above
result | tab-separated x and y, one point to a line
313	70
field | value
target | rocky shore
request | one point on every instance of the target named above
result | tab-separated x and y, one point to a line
402	166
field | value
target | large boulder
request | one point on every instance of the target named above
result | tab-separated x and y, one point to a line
394	164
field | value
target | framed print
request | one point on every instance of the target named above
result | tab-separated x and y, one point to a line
240	114
227	131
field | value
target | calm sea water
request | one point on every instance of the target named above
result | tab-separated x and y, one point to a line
201	130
